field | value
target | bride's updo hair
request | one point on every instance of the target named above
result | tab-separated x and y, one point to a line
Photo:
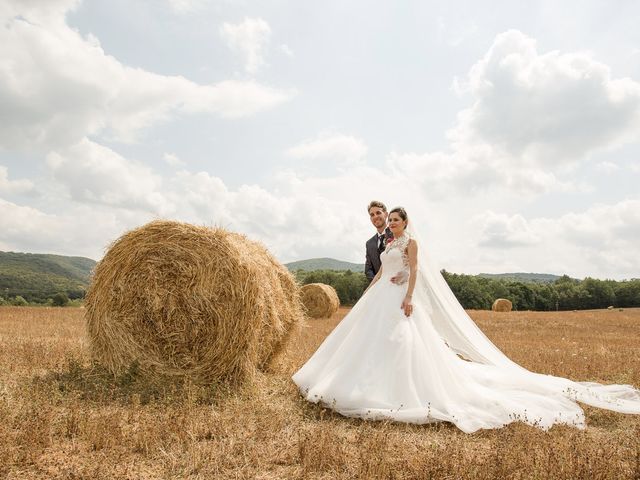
403	214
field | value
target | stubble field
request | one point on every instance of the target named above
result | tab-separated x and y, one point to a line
61	417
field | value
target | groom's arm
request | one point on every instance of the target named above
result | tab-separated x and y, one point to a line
368	267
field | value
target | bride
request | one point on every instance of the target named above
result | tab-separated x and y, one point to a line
410	353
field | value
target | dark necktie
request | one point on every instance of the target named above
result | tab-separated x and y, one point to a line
380	243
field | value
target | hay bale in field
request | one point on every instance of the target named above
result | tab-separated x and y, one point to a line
191	301
319	300
502	305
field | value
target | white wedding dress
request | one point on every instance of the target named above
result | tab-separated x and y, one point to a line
379	364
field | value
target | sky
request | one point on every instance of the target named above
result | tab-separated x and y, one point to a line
510	131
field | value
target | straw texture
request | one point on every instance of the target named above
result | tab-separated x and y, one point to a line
192	301
319	300
502	305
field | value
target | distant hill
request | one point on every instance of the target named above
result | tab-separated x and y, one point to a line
522	277
333	264
324	264
37	276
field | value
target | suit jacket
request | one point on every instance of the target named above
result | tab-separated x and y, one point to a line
372	263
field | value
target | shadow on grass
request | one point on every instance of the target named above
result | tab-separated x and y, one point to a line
95	383
322	412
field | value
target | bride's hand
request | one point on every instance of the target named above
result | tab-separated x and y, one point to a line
407	306
400	278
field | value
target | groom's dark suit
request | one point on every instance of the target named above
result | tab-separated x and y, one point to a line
372	264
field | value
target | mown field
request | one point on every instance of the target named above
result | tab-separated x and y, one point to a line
61	417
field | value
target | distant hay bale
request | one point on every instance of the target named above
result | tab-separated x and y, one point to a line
502	305
610	307
319	300
184	300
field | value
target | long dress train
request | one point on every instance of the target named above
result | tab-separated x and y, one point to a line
379	364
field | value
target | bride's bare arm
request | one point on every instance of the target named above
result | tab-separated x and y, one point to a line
412	254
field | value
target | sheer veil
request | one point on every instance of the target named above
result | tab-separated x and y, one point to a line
463	336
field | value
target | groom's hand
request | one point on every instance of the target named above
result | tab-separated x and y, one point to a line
400	277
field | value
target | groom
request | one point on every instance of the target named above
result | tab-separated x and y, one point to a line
376	244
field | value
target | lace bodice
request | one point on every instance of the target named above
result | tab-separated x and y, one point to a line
395	258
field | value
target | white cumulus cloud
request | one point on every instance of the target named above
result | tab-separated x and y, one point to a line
173	160
8	186
24	226
78	230
96	174
607	167
599	241
38	11
186	6
504	231
546	108
250	38
56	87
534	117
473	170
336	149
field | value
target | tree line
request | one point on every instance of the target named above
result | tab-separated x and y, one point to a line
60	299
473	292
479	293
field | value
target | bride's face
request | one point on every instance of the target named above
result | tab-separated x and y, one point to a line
396	224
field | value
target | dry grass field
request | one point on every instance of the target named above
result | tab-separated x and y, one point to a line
61	417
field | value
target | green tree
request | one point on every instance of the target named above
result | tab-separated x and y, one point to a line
600	293
60	300
628	293
470	291
19	301
569	293
522	295
477	292
546	297
497	289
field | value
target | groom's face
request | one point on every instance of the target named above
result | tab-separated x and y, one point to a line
378	217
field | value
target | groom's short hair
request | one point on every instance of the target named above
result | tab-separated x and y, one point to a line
378	204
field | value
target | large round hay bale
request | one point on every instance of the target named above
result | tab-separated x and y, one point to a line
192	301
319	300
502	305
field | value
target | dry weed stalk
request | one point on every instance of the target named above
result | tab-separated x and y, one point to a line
74	423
